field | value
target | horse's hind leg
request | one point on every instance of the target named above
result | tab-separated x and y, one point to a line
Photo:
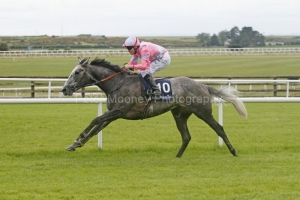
209	119
181	115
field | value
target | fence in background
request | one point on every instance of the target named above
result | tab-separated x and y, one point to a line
53	86
173	52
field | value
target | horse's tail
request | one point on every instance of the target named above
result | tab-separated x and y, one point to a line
229	94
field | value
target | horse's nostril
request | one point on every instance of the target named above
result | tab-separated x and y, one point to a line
63	90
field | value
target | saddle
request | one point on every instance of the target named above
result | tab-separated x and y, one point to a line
164	85
165	88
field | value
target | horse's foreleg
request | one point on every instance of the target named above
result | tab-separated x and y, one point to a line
93	132
81	136
82	139
181	122
95	126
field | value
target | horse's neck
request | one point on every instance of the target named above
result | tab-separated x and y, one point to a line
122	83
111	84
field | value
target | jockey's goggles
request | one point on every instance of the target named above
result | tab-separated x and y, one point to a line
129	48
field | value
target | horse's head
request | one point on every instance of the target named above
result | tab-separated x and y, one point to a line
77	78
96	73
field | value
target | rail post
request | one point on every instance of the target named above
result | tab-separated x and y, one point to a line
49	89
83	92
100	133
32	89
275	88
220	120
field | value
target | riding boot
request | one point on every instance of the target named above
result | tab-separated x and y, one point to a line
155	89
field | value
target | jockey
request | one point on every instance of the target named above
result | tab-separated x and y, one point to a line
153	58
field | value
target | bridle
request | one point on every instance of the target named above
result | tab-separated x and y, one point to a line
86	72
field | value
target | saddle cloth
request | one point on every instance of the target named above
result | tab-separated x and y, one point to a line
164	85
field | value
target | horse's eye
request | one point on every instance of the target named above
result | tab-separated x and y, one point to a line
78	71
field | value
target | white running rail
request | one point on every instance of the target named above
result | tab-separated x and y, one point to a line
227	82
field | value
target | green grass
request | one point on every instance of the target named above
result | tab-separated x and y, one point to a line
232	66
276	65
138	157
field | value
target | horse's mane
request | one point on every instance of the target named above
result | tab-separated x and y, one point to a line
103	63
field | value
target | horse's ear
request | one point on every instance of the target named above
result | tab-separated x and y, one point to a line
79	60
85	62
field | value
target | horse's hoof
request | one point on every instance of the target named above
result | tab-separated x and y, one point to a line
77	144
233	151
70	148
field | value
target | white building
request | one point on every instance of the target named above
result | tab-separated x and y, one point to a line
273	43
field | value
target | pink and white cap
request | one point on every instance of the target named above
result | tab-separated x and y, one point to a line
131	41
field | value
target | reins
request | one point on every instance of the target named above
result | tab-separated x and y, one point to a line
113	75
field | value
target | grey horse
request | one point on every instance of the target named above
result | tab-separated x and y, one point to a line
125	99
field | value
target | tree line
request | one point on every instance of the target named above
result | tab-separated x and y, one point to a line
3	46
235	38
